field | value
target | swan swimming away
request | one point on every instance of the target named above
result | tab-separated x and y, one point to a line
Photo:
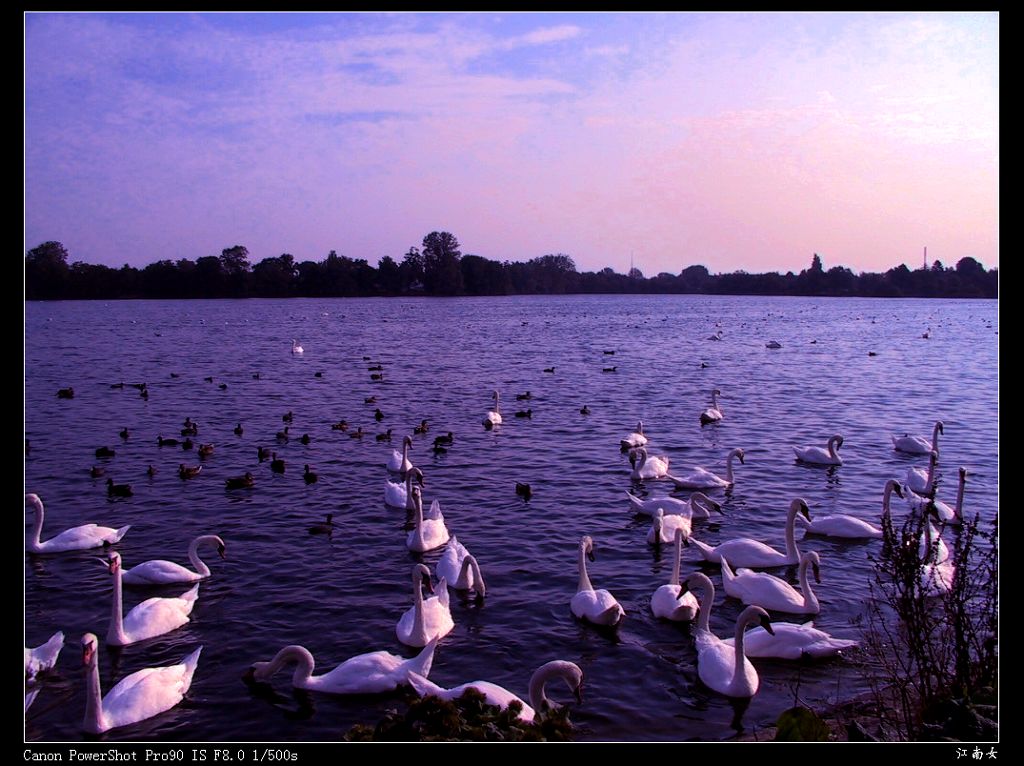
670	601
502	697
698	506
635	439
701	478
430	531
296	348
792	641
153	617
850	527
922	482
722	666
648	467
370	673
160	572
143	694
774	593
713	413
746	552
820	456
400	495
596	606
399	462
493	417
426	619
918	445
43	657
74	539
460	569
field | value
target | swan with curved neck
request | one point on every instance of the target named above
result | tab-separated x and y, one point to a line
819	456
502	697
850	527
426	619
596	606
399	462
655	467
723	666
922	482
160	572
918	445
698	506
399	495
954	516
774	593
370	673
701	478
670	601
747	552
74	539
493	417
635	439
143	694
713	413
428	533
153	617
792	641
460	569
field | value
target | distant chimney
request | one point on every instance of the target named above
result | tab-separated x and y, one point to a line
925	258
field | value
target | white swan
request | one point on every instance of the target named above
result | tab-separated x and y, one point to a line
399	495
713	413
953	516
44	656
746	552
460	569
648	467
850	527
160	572
426	619
635	439
701	478
698	506
937	578
153	617
791	641
430	531
399	461
669	601
143	694
493	417
74	539
918	445
774	593
723	666
920	481
502	697
370	673
932	548
596	606
296	348
820	456
665	525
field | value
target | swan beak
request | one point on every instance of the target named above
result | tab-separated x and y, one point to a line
429	585
817	573
805	510
590	553
88	650
767	625
898	490
222	551
578	693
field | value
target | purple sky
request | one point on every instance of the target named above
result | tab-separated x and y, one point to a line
739	141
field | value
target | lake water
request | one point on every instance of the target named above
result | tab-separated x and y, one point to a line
341	596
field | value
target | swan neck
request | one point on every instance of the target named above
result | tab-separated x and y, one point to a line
810	599
728	467
707	598
791	550
93	699
832	448
116	610
538	699
678	556
739	669
37	526
959	510
584	583
304	663
193	554
928	485
935	436
417	615
886	498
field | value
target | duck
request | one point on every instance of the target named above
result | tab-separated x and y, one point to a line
204	450
341	425
170	441
429	531
428	619
746	552
288	417
105	452
370	400
664	526
97	471
724	667
459	568
523	490
137	697
701	478
309	476
774	593
384	437
444	440
325	527
153	617
646	467
305	439
713	413
118	490
43	657
264	453
422	428
850	527
188	471
493	417
524	414
524	397
357	434
819	456
161	572
282	436
370	673
610	369
239	430
549	369
584	410
187	444
791	641
124	433
635	439
773	344
276	463
66	393
378	415
240	482
922	482
399	461
670	601
596	606
918	445
296	348
150	470
698	506
502	697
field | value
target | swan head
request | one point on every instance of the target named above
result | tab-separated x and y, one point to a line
963	473
681	537
800	506
421	577
716	392
705	502
738	452
939	426
658	525
113	562
755	614
894	486
838	440
697	581
89	644
814	560
587	546
33	498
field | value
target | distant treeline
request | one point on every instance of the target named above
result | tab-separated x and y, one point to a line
439	268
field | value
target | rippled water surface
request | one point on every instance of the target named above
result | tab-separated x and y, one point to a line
341	596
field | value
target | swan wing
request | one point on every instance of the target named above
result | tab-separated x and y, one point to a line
395	494
82	538
156	616
148	692
158	572
44	656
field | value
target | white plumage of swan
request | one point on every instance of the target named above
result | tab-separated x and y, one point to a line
698	506
953	516
701	478
747	552
792	641
143	694
596	606
713	413
370	673
43	657
430	531
160	572
774	593
153	617
655	467
74	539
635	439
399	461
502	697
426	619
493	417
665	525
847	526
460	569
918	445
296	348
399	495
669	601
722	666
920	481
820	456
